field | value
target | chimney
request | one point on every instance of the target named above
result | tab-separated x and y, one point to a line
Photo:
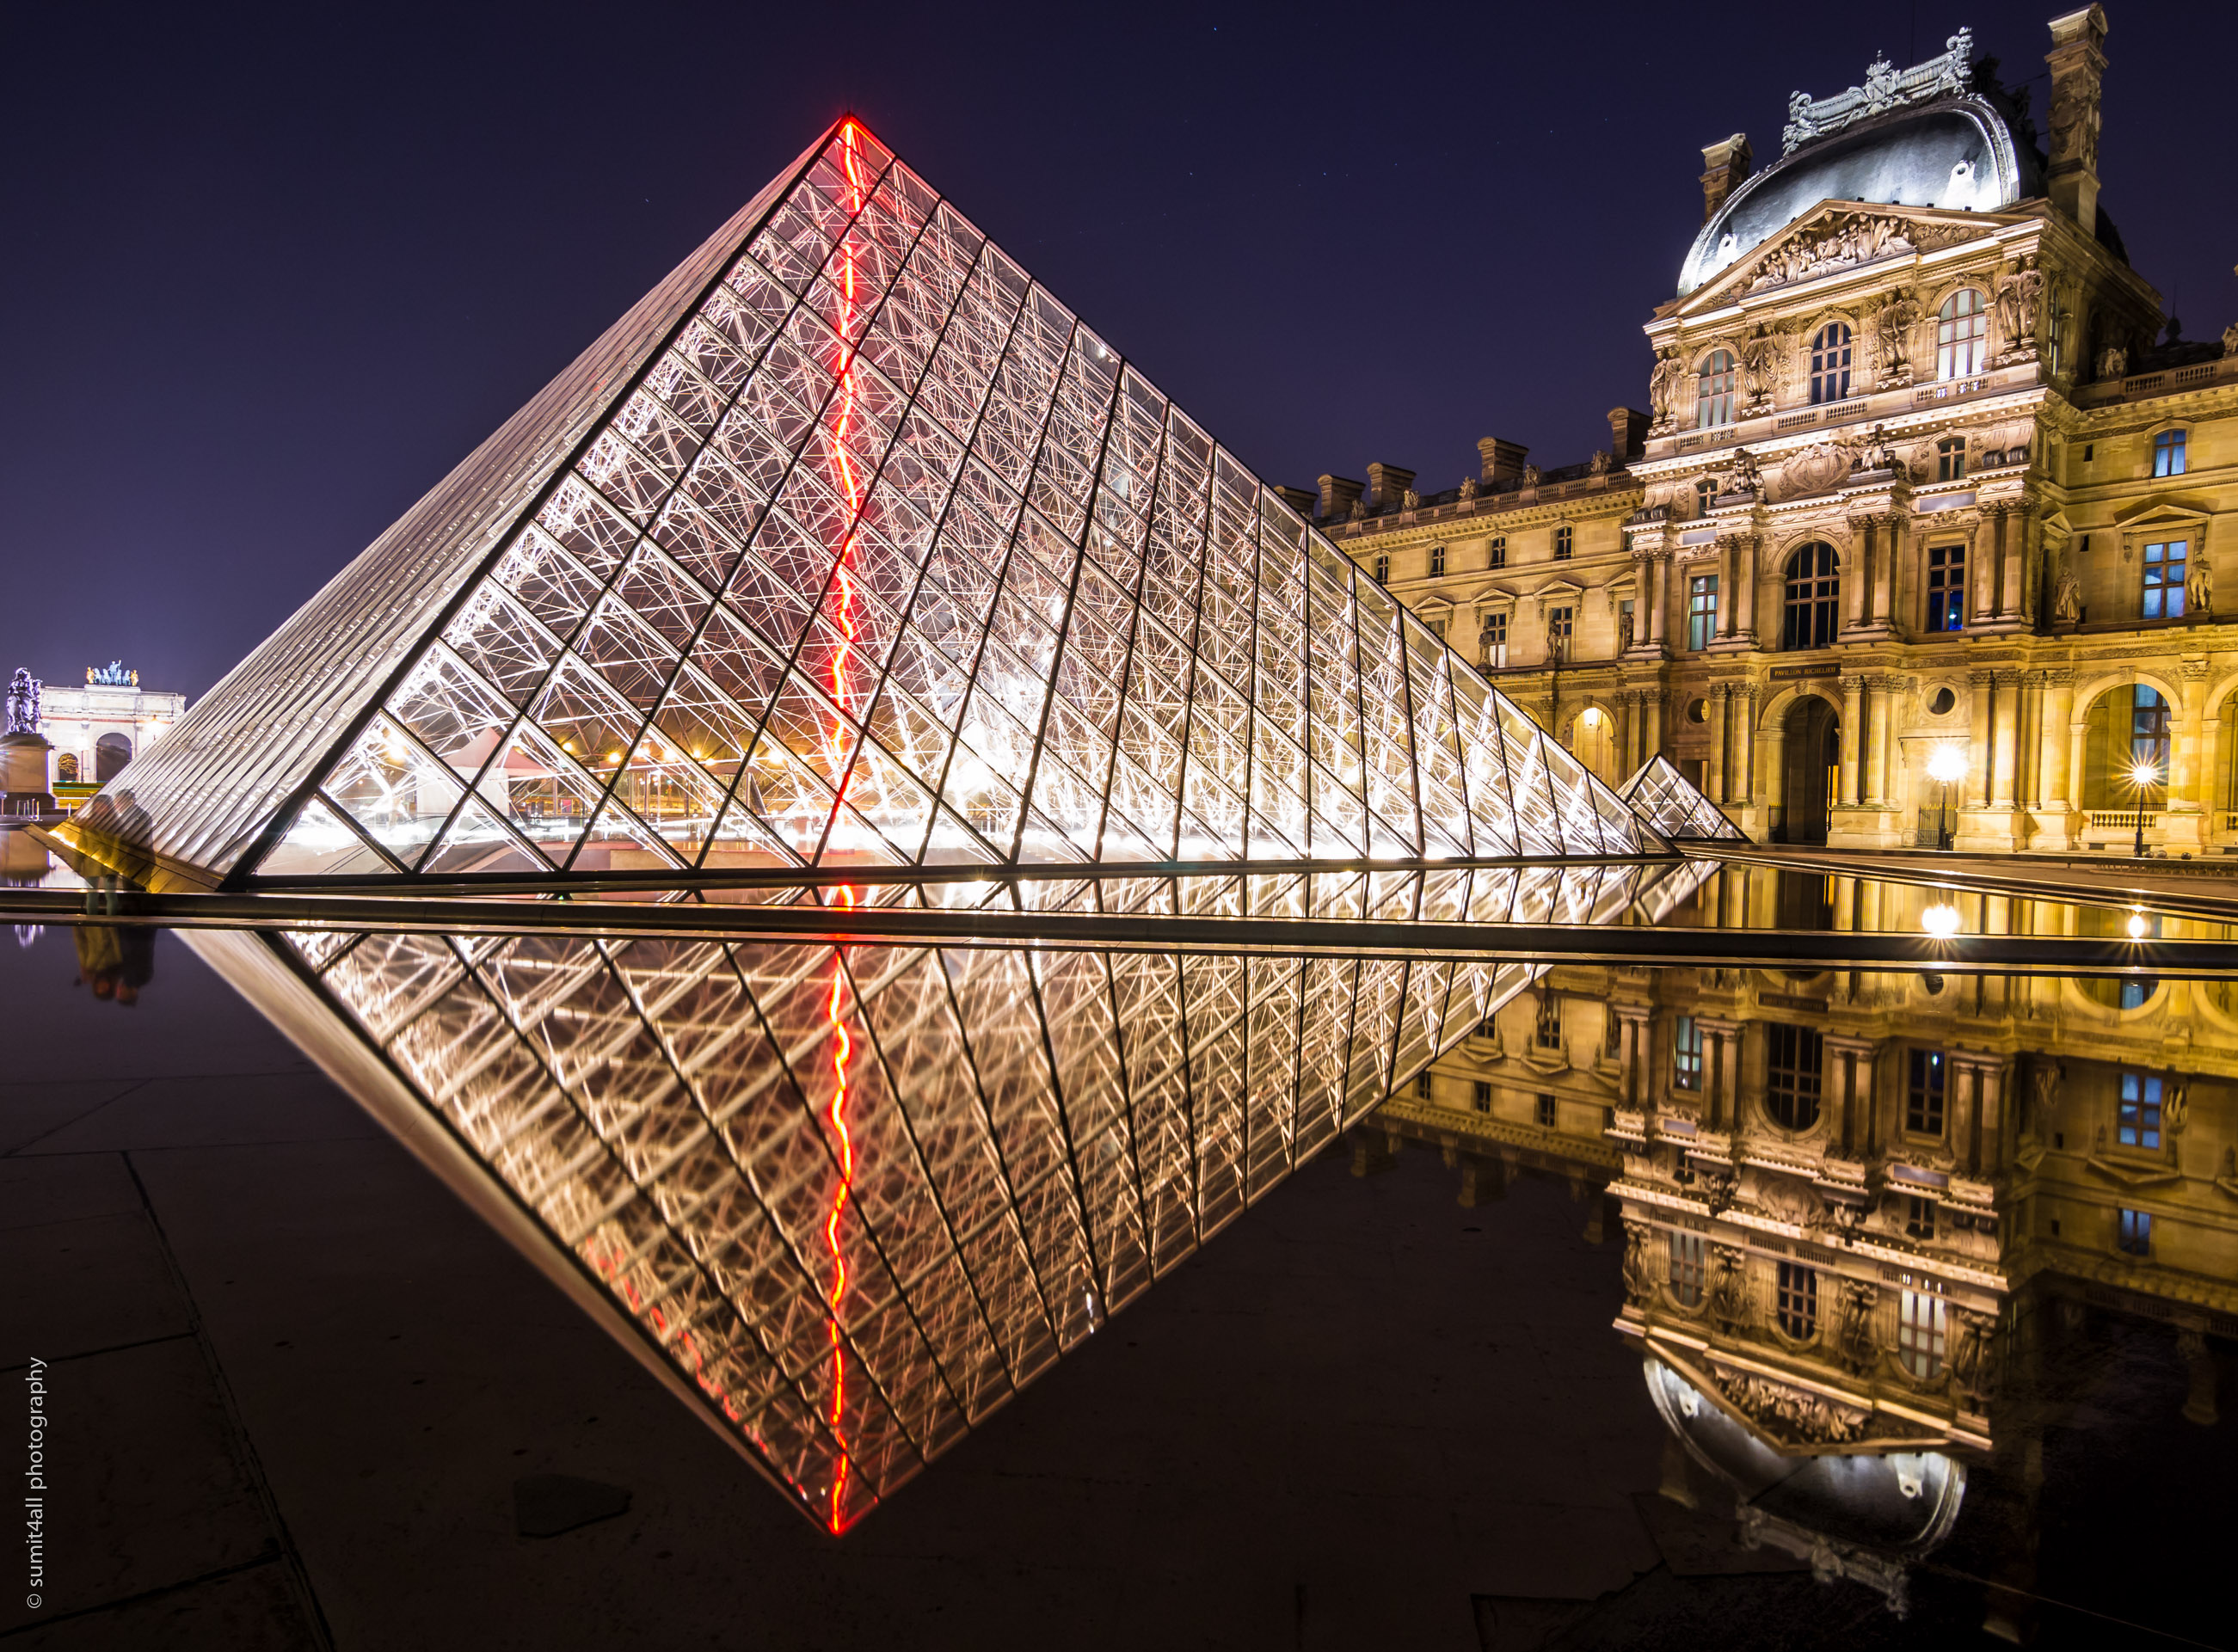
1726	164
1337	494
1385	484
1300	499
1627	432
1503	460
2078	68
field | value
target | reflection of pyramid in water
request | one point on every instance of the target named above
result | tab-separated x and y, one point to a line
851	549
1674	805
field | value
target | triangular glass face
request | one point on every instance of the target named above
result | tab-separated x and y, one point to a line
1674	806
886	558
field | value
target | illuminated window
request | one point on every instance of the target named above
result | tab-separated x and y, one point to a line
2135	1233
1829	363
1496	554
2139	1117
1946	587
2164	566
2167	453
1962	335
1546	1111
1918	1217
1701	610
1480	1096
1686	1269
1798	1301
1923	1099
1563	543
1546	1031
1706	494
1559	621
1813	598
1713	391
1794	1070
1922	1333
1493	640
1422	1084
1437	562
1951	458
1686	1054
1382	571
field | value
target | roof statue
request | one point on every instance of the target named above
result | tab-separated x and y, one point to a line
1946	75
112	675
851	567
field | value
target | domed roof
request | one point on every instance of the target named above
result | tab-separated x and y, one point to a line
1922	138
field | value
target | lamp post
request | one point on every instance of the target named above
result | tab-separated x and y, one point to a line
1947	765
2142	774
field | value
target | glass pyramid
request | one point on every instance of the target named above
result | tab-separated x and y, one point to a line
1674	805
853	563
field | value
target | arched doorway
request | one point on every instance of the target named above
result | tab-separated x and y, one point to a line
110	753
2125	751
1812	760
1593	741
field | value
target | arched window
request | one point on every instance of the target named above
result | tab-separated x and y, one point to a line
66	768
1829	363
1962	335
1813	598
110	753
1713	394
1951	458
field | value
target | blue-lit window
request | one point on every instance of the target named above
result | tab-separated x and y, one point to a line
2149	730
1686	1054
2135	1233
2164	566
1923	1100
1701	610
1713	390
2139	1120
1946	587
2167	452
1830	364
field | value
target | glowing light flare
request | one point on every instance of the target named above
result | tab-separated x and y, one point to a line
1940	921
1946	764
2139	925
2143	774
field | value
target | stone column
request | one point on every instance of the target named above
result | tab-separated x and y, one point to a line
1876	751
1978	779
1650	713
1728	602
2028	732
1745	570
1713	774
1631	1076
2001	593
1849	1093
1858	575
1742	791
1721	1063
2186	795
2058	715
2005	737
1981	577
1852	736
1888	574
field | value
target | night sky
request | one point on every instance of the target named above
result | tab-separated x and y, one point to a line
268	276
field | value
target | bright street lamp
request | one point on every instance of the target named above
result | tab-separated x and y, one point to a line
1947	764
2142	773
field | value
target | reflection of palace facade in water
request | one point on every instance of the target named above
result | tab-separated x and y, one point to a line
1850	1199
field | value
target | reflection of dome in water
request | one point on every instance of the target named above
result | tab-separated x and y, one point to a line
1809	1478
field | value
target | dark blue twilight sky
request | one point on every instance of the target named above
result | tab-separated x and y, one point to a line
269	274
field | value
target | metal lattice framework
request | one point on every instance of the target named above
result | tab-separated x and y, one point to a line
1674	805
851	569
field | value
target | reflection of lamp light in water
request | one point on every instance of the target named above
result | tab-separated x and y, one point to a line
1940	921
2140	926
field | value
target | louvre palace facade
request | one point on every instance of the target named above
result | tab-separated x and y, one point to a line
1914	541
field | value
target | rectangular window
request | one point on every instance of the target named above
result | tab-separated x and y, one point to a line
1546	1032
2164	567
2167	453
1495	554
1563	543
1687	1053
1797	1302
1628	635
1918	1217
1492	640
1951	458
1701	610
1382	571
1946	587
1922	1333
1422	1085
1795	1061
1686	1269
1546	1112
2135	1233
1559	622
1480	1096
1437	562
2139	1118
1923	1096
1706	494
